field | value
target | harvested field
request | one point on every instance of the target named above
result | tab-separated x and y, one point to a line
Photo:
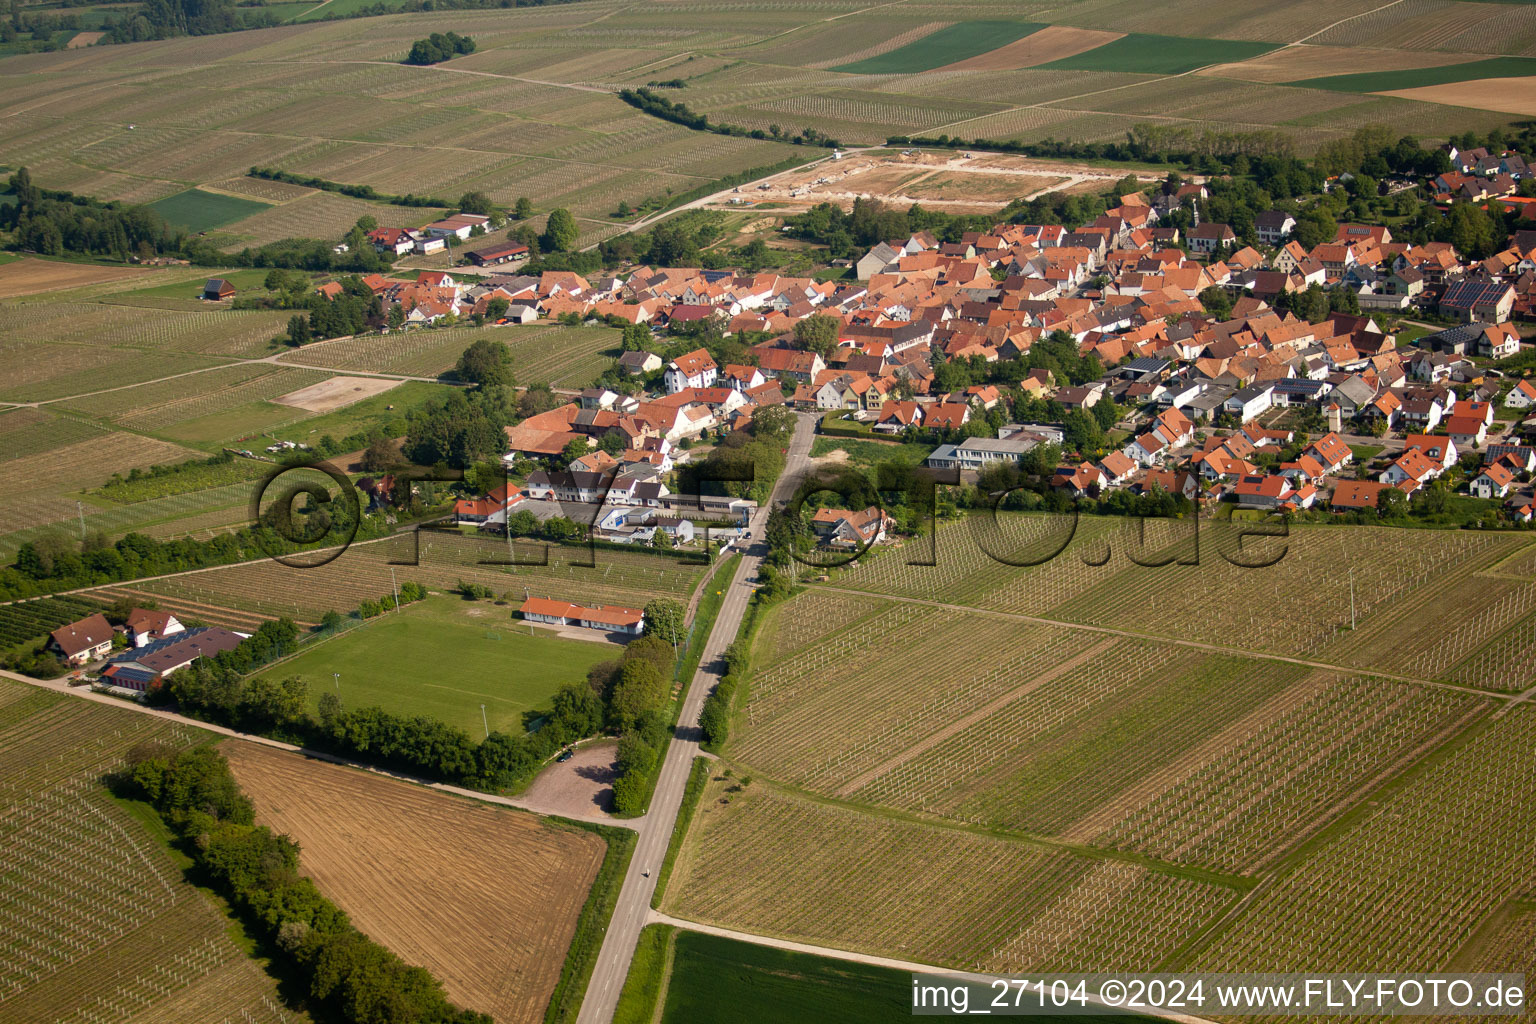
1297	63
484	897
336	393
80	39
1507	95
30	276
996	188
1054	42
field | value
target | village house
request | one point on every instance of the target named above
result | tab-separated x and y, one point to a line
1208	237
82	641
841	529
1521	396
638	363
691	370
145	626
1493	482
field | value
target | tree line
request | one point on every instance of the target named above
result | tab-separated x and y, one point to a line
57	561
656	105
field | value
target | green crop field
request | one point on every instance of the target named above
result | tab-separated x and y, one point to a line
197	210
1159	55
445	657
1412	78
721	981
708	979
946	46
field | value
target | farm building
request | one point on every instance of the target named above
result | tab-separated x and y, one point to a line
609	617
502	252
217	289
138	668
459	225
82	641
145	626
1468	301
637	363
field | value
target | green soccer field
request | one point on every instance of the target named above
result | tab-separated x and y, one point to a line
443	658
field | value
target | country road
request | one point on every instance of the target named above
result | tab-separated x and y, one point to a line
634	905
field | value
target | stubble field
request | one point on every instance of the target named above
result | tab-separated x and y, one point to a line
486	898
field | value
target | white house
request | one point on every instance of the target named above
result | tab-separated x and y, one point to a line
690	370
1250	402
1493	482
1523	396
82	641
145	626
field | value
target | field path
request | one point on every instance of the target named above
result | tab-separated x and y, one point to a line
632	913
907	966
933	739
1241	652
61	686
449	70
1051	104
1352	17
275	359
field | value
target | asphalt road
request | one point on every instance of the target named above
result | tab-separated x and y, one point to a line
634	905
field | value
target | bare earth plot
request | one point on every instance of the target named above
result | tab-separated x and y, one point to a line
1052	43
484	897
1507	95
336	393
28	277
578	788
